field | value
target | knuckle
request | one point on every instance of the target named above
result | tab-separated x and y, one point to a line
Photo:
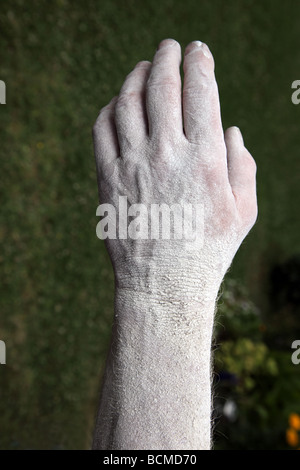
162	147
143	64
103	114
249	162
125	100
163	81
205	86
248	210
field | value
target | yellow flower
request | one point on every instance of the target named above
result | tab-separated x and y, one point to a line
292	437
294	421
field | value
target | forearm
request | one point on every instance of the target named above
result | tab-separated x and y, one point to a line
157	386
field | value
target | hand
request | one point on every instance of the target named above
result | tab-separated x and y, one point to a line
156	145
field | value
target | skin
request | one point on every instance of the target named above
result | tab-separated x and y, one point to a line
157	143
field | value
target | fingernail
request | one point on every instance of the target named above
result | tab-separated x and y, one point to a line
193	46
199	44
206	51
167	43
237	129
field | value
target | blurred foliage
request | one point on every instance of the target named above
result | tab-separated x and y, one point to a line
245	359
258	381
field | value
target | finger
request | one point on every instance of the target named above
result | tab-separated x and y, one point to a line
130	115
164	91
201	106
241	174
105	139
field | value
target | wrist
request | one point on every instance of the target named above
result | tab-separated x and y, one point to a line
164	309
169	279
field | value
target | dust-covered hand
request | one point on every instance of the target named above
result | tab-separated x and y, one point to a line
157	145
